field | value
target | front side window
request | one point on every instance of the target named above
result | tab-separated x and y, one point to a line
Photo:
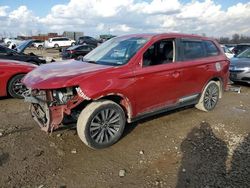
159	53
117	51
192	50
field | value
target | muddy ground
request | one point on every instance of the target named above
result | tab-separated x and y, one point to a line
184	148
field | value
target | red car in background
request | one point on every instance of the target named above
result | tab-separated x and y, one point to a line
11	74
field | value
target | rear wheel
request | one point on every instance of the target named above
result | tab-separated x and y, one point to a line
101	124
73	44
15	87
209	97
56	46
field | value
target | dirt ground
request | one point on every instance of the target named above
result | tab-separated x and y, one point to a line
184	148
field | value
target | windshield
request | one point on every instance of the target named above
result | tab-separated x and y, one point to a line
116	51
244	54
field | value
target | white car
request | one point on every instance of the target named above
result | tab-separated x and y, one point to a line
12	41
57	42
38	44
227	52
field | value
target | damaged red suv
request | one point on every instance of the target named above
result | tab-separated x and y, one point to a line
125	79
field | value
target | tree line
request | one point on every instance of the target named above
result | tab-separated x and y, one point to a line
235	39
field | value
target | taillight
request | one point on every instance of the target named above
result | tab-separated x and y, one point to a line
72	51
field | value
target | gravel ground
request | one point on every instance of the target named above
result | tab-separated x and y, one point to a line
184	148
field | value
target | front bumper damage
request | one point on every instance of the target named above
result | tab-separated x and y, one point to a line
46	111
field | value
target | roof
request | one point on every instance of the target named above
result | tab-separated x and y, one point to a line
169	35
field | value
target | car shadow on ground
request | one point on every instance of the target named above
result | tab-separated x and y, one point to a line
131	126
204	161
2	98
70	124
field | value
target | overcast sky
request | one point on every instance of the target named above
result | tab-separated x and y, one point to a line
93	17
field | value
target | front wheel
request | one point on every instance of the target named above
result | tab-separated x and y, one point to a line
101	124
15	87
209	97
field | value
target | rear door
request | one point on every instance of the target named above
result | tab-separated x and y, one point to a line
197	60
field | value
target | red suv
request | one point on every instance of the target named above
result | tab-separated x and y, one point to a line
125	79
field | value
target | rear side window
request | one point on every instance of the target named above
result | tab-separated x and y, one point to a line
211	49
192	50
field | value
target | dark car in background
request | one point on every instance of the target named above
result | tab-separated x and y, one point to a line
19	55
240	48
240	67
88	40
75	52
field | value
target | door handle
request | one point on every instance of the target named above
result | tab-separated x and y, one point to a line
176	74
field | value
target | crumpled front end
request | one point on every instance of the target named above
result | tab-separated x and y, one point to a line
48	107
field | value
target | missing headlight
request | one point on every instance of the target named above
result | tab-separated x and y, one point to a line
62	96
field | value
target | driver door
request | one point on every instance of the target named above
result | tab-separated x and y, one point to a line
157	79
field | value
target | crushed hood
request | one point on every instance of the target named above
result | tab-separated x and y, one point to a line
23	45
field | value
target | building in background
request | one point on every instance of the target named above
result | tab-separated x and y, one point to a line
73	35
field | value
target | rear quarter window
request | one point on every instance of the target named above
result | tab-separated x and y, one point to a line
211	49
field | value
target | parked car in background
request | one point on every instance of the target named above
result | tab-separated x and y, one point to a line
228	52
15	41
57	42
240	67
19	55
125	79
76	52
11	73
38	44
240	48
88	40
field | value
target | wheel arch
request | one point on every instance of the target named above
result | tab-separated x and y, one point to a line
10	78
118	98
121	100
219	81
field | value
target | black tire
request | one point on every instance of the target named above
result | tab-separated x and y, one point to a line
40	47
56	46
101	124
210	97
73	44
15	87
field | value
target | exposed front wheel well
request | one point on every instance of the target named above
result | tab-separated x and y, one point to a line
121	101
